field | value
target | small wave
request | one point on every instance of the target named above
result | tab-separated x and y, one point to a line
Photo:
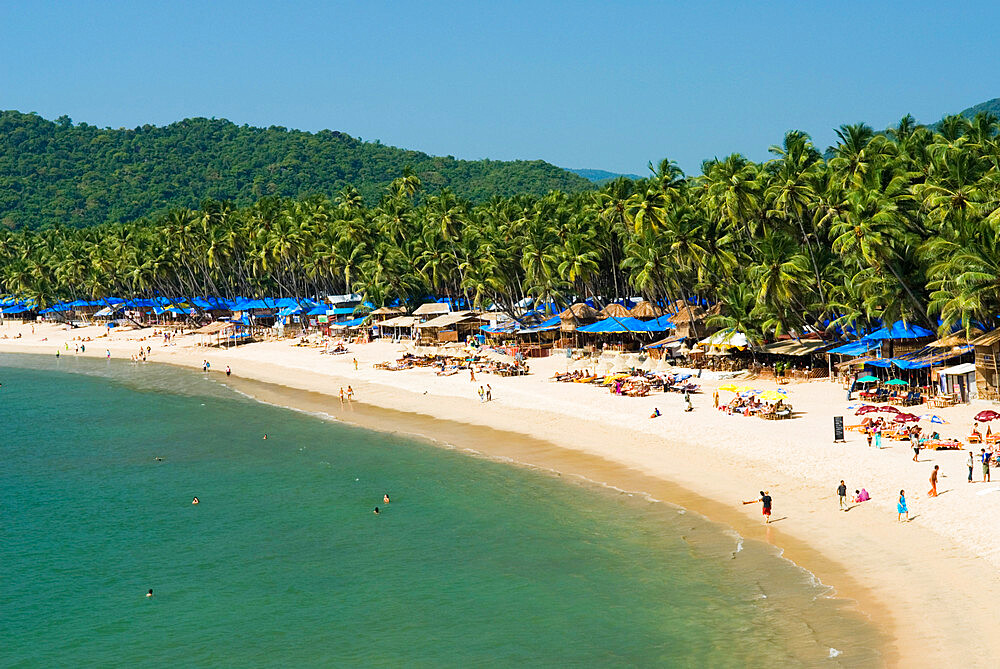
739	547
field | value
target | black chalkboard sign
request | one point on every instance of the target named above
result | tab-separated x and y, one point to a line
838	428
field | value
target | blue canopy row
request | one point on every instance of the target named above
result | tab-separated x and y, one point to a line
627	324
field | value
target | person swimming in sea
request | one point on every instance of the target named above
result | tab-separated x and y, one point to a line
376	510
195	501
150	593
385	498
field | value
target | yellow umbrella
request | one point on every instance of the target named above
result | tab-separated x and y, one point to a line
771	396
744	389
731	387
608	380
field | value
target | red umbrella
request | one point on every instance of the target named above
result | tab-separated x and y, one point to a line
868	408
905	418
986	416
888	409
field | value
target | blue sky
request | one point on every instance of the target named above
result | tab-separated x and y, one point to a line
602	85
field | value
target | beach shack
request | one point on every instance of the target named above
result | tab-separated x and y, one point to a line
643	311
385	313
987	349
400	327
574	317
431	310
689	320
959	381
455	326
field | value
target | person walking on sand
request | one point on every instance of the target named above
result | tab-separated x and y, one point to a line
869	438
972	464
842	494
715	398
350	393
765	500
933	491
901	509
916	448
489	393
229	372
878	436
482	395
472	375
342	394
986	465
108	353
355	364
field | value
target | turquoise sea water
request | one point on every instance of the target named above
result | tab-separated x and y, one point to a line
283	563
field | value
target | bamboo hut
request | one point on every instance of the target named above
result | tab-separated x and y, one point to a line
614	310
457	326
385	313
689	319
987	365
645	309
576	315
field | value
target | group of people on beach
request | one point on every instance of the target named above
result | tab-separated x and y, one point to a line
486	395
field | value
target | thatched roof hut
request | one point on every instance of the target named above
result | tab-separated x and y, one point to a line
578	314
615	310
645	309
690	319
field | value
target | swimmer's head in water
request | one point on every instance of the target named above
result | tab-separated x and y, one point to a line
195	500
376	510
150	593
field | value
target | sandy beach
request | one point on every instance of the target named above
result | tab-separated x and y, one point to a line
932	582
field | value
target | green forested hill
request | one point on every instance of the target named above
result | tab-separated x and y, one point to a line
79	175
990	106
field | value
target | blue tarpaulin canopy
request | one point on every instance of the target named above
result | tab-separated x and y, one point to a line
900	330
660	324
855	347
615	326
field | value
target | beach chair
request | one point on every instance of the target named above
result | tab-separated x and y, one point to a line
975	439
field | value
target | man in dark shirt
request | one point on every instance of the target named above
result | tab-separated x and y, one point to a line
765	499
842	493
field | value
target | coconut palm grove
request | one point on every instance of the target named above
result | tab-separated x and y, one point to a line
894	225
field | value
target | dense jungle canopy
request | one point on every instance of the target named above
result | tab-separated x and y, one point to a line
58	173
899	224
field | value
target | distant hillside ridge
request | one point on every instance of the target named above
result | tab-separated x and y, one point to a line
990	106
601	176
61	173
